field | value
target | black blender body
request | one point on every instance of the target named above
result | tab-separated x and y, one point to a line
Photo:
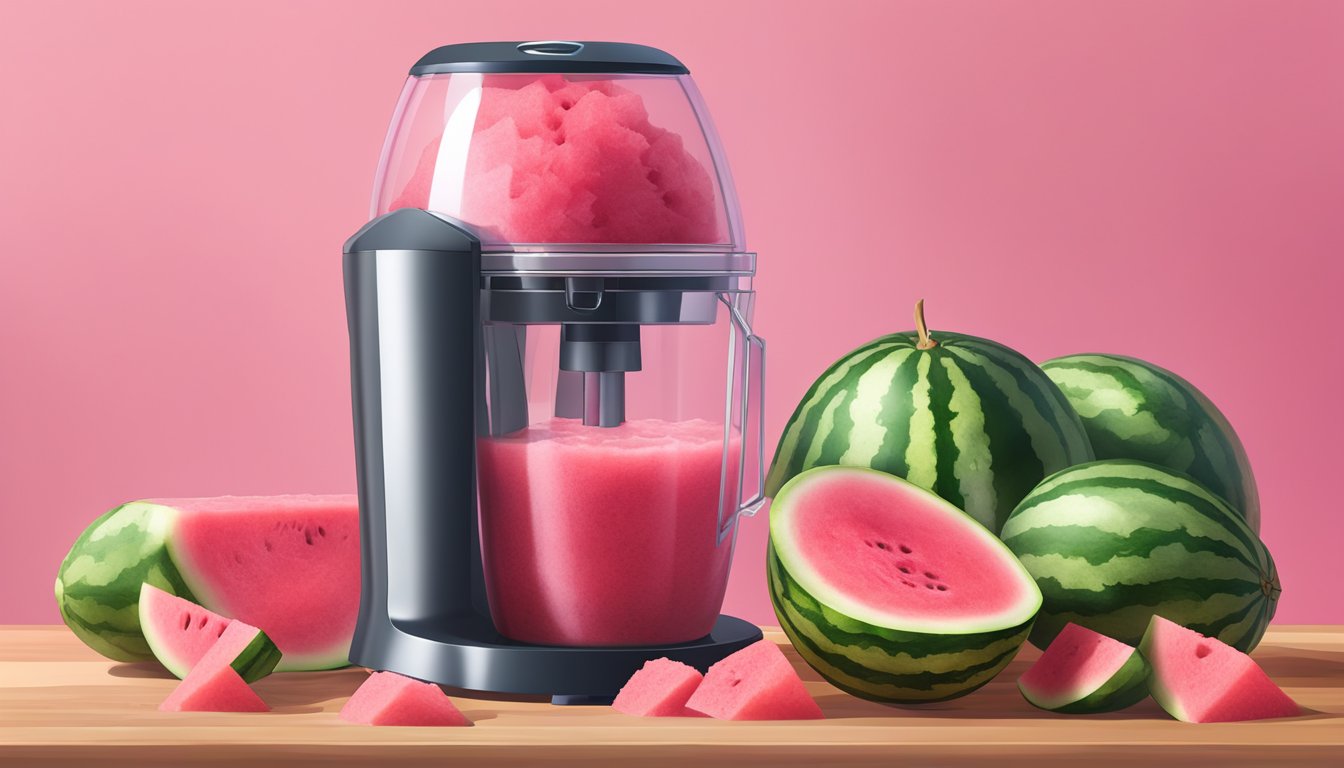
438	312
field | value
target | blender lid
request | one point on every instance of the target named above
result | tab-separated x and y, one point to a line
542	56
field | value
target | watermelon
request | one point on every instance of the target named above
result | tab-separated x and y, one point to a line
1201	680
890	592
1133	409
755	683
969	419
1084	672
386	698
180	633
660	688
286	564
213	686
1113	543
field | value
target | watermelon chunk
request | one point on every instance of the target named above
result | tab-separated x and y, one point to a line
180	633
213	687
755	683
660	688
286	564
387	698
1200	679
1084	671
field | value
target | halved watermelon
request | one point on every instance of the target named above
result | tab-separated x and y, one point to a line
386	698
1200	679
890	592
660	688
286	564
755	683
1084	671
180	632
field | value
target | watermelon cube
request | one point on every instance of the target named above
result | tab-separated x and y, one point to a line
660	688
1202	680
387	698
213	687
756	683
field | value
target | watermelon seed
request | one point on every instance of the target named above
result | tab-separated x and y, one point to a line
942	588
308	537
904	569
654	176
321	531
269	545
929	575
908	583
928	586
221	631
201	624
186	621
566	105
906	550
1202	650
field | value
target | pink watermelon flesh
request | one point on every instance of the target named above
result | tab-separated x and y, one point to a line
213	687
386	698
755	683
660	688
557	161
286	564
180	632
1202	680
915	564
1077	662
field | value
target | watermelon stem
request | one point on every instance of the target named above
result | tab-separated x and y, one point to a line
925	342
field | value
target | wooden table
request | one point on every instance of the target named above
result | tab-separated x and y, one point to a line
60	703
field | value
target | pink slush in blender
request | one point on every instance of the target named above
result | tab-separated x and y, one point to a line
556	388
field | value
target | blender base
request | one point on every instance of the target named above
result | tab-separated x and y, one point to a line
467	652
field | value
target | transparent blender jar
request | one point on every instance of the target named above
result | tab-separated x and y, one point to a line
619	418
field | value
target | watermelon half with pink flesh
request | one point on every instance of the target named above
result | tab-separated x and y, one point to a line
286	564
213	685
755	683
890	592
1083	672
1200	679
660	688
181	633
386	698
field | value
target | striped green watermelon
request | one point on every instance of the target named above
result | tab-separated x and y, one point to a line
891	593
1132	409
1113	543
286	564
969	419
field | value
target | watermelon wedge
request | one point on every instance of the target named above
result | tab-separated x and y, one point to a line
286	564
386	698
755	683
1200	679
1084	672
180	633
660	688
213	686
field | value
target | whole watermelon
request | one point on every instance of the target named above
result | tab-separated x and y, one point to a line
1133	409
969	419
1113	543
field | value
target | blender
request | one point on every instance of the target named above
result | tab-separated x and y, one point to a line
556	388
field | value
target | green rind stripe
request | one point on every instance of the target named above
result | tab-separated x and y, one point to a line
258	659
1127	687
1098	547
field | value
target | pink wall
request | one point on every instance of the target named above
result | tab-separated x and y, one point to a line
1161	179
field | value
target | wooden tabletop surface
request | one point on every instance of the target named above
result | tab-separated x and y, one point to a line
61	703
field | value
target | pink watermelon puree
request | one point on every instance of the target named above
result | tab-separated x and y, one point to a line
916	560
604	536
286	564
560	161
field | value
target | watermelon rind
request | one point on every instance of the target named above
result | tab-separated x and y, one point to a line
1112	543
256	660
901	661
1133	409
98	584
1127	687
969	419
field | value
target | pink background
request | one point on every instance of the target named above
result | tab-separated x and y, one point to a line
1162	179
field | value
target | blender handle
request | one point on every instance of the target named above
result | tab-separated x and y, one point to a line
751	506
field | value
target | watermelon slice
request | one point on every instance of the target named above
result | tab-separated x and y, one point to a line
660	688
1202	680
214	686
180	632
755	683
386	698
1084	671
287	564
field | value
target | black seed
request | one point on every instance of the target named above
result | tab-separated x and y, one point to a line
929	575
942	588
906	549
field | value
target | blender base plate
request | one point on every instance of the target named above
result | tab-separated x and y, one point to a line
467	652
